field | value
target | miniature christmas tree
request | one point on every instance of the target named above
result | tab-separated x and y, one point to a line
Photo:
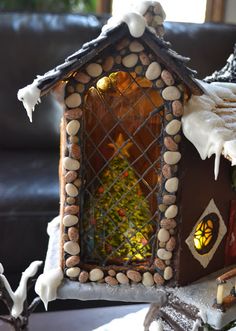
121	215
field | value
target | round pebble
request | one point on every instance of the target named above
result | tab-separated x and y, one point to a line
133	275
122	278
80	88
136	47
108	63
163	235
170	144
162	207
70	176
73	139
173	127
83	277
170	245
82	77
169	117
130	60
168	224
171	211
153	71
111	281
71	248
70	220
144	59
72	261
166	171
75	152
73	210
96	275
177	108
73	114
158	279
169	199
177	138
73	234
158	263
168	273
167	77
71	190
78	182
70	200
172	157
160	83
70	164
94	69
73	272
171	185
73	100
111	272
171	93
72	127
147	279
163	254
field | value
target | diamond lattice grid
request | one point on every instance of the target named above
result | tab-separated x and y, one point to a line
122	130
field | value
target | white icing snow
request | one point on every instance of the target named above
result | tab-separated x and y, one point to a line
1	269
202	293
156	326
18	297
47	285
30	96
133	17
206	125
48	282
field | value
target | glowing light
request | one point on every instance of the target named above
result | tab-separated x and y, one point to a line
203	235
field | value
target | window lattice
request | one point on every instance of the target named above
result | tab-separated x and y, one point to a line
122	130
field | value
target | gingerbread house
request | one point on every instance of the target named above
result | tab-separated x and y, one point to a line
139	202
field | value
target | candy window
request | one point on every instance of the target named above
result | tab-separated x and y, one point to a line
122	133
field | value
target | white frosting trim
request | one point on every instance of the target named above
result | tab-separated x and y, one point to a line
47	285
19	296
206	129
48	282
30	96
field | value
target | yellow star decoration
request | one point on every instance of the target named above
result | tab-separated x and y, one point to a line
120	146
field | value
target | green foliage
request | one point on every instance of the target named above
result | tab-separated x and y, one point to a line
121	215
49	5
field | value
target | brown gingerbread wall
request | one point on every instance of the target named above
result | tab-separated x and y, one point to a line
197	188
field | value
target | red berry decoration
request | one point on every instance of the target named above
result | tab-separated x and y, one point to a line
126	174
101	190
121	212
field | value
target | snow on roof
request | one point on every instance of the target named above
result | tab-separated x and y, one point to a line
209	122
137	25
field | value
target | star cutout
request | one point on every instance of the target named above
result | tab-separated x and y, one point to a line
120	146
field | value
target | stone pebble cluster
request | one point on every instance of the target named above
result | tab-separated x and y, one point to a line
129	55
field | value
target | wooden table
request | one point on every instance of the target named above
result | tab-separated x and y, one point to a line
76	320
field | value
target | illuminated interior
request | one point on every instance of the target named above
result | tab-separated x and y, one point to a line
205	233
121	157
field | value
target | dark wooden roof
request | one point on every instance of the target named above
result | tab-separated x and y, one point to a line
162	49
227	73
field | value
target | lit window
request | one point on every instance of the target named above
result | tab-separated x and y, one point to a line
177	10
206	233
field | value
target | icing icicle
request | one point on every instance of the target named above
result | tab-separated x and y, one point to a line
206	123
30	96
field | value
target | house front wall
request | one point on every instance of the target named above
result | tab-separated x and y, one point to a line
133	57
200	195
